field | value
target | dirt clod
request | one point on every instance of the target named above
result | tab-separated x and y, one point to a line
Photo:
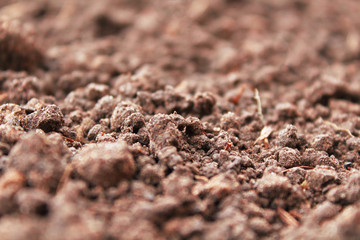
48	118
105	164
289	157
41	159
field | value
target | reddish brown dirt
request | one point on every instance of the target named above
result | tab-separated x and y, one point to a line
205	119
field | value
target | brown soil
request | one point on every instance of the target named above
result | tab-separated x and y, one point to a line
205	119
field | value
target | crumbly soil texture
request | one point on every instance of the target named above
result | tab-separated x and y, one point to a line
181	119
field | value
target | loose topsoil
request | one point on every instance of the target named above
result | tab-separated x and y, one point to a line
181	119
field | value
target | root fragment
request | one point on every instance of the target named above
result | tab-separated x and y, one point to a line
265	133
337	128
303	167
258	101
65	177
236	99
287	218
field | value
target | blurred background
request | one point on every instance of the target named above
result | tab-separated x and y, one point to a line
264	43
194	36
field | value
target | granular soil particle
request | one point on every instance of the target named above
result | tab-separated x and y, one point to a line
204	119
